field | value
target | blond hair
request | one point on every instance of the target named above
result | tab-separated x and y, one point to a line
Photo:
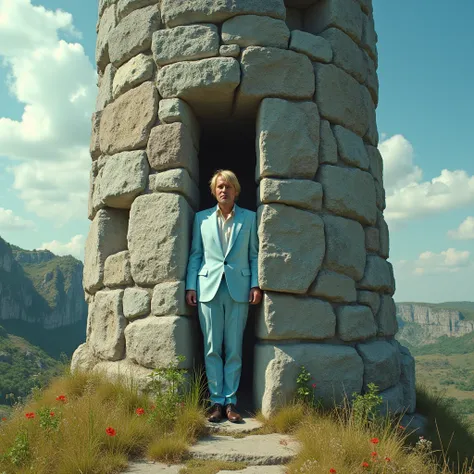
229	176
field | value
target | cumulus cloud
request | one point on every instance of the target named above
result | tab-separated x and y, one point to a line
74	247
10	222
465	231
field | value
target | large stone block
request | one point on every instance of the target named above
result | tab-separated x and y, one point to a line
117	270
334	287
337	372
185	43
107	23
345	252
291	239
171	146
184	12
349	192
207	85
105	96
372	239
125	7
381	364
377	276
107	322
133	34
375	163
272	72
288	139
371	299
301	193
157	342
122	178
159	236
369	37
371	135
355	323
384	235
125	372
372	81
83	360
254	30
136	302
392	401
176	181
327	144
310	318
126	123
94	147
107	235
169	299
351	148
387	317
131	74
315	47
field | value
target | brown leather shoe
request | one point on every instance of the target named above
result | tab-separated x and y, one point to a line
232	414
215	413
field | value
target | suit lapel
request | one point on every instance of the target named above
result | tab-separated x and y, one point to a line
238	221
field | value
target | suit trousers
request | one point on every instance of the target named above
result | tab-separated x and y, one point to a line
222	323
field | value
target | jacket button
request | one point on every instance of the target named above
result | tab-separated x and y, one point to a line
225	262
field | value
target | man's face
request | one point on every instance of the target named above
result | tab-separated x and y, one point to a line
225	191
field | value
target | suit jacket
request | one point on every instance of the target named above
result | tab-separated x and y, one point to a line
207	262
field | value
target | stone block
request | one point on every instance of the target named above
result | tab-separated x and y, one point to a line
327	144
349	192
207	85
315	47
407	379
369	298
83	360
229	50
381	364
372	239
107	322
91	204
355	323
377	276
136	302
255	30
387	317
125	372
107	235
384	235
133	73
107	23
334	287
372	81
176	181
125	7
366	6
287	139
185	12
185	43
375	163
158	238
336	370
94	147
351	148
171	146
369	37
117	270
371	135
104	96
133	34
126	123
300	193
122	178
292	239
340	98
379	196
392	401
345	251
294	18
157	342
273	72
310	318
169	299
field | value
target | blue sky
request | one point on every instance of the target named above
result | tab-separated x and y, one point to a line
425	119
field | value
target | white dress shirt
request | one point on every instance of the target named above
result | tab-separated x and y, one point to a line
225	227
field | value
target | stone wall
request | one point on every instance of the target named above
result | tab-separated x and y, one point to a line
305	72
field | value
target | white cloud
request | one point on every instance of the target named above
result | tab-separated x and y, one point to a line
74	247
10	222
465	231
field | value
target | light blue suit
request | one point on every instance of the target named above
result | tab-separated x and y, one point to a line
223	303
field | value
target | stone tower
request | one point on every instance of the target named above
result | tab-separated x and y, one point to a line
284	93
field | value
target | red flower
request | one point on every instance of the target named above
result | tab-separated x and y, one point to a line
400	427
140	411
61	398
4	419
332	470
110	431
314	385
373	454
387	459
374	440
51	413
365	464
30	415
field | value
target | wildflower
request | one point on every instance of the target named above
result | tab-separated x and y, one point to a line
4	419
400	427
387	459
374	440
110	431
314	385
140	411
332	470
30	415
365	464
61	398
51	413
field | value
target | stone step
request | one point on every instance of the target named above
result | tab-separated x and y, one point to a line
144	467
248	425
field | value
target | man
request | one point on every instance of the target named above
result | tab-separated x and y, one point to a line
221	281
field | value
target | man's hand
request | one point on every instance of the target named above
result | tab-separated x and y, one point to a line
191	298
255	295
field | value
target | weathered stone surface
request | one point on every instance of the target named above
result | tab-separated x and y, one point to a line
340	98
122	178
371	135
83	360
158	238
336	370
169	299
133	34
343	14
372	239
407	379
254	30
379	196
176	181
272	72
131	74
375	163
366	6
94	147
381	364
351	147
91	210
157	342
104	96
369	298
207	85
346	54
171	146
387	317
345	252
184	12
106	25
392	400
126	123
185	43
125	7
355	323
349	192
106	339
117	270
334	287
294	19
107	235
316	48
136	302
126	372
384	235
369	36
292	239
229	50
377	276
372	81
301	193
327	144
288	139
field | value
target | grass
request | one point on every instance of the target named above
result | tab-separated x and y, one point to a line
196	466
